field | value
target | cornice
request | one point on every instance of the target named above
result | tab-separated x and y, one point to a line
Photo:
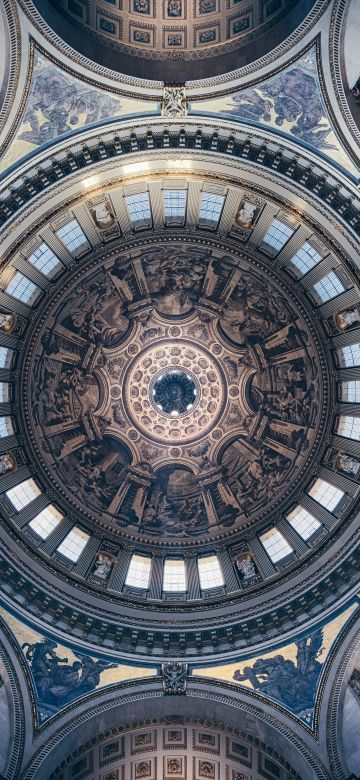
335	49
14	55
333	722
19	736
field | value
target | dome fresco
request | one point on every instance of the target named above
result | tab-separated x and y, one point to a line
179	390
98	358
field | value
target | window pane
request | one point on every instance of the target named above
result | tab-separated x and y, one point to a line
275	545
22	494
73	544
46	521
349	427
351	355
325	494
174	575
138	575
329	286
278	234
305	259
6	428
210	573
351	391
175	204
71	235
304	523
22	288
44	259
4	392
139	207
6	356
210	208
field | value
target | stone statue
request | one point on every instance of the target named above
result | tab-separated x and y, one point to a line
349	465
246	215
102	215
347	318
246	567
6	321
7	463
103	567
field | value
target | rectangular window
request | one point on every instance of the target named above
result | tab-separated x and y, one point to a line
278	234
210	573
351	355
305	258
351	392
349	427
45	522
139	208
44	260
329	286
275	545
23	494
304	523
174	575
73	544
6	356
6	428
325	494
4	392
22	288
71	235
211	206
175	205
138	575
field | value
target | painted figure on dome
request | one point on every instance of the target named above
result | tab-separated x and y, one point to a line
293	684
57	682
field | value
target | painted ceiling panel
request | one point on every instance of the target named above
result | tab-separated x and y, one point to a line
290	102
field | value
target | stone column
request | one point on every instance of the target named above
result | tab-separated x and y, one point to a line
230	579
56	537
120	569
193	577
156	579
261	558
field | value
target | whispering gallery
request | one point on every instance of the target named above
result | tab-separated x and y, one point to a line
179	390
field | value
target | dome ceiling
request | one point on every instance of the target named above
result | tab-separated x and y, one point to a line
175	394
138	37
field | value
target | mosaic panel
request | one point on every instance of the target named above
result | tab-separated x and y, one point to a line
205	34
59	103
174	9
206	740
175	738
142	7
60	674
290	102
144	35
290	674
143	741
174	38
174	767
207	6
